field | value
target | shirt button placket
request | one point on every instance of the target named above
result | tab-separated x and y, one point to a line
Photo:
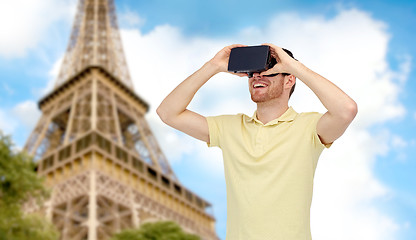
260	139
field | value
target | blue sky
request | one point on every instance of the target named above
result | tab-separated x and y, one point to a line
364	184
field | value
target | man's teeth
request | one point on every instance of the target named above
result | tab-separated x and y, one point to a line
259	85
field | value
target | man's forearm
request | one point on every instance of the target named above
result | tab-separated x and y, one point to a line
338	103
178	100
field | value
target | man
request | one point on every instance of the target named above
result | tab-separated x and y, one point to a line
270	158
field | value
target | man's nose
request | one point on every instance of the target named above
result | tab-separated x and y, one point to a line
256	75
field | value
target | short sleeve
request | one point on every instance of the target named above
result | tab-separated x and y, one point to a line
214	131
316	139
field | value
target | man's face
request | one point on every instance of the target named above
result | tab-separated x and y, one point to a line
265	88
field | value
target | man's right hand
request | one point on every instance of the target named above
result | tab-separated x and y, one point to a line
220	60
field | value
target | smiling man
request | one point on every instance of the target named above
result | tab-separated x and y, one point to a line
271	157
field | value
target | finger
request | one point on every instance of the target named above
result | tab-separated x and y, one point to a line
270	71
275	55
242	74
239	74
227	49
280	51
235	45
274	50
268	44
272	46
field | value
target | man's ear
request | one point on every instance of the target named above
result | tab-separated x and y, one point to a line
290	80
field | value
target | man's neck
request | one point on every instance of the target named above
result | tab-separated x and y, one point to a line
268	111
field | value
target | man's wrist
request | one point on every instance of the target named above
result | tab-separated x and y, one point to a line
212	67
297	69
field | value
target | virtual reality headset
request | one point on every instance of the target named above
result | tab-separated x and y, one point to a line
252	59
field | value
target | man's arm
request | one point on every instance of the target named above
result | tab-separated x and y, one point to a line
341	108
173	109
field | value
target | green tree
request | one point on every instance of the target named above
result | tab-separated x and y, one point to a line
18	184
164	230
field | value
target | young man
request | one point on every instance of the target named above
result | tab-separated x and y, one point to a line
269	158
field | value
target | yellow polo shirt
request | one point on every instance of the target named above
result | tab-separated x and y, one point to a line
269	170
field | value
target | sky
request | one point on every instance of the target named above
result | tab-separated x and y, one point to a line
364	185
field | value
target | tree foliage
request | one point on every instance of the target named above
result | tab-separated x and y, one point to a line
164	230
18	184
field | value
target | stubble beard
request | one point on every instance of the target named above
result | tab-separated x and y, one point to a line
272	93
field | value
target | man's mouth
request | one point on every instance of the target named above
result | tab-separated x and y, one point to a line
259	85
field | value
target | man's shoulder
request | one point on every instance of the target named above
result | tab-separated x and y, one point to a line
307	118
309	114
229	117
229	120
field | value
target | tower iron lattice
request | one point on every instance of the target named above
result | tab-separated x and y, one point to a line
95	148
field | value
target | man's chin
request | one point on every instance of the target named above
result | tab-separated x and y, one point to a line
258	99
265	96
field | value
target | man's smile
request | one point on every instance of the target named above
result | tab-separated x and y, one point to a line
259	84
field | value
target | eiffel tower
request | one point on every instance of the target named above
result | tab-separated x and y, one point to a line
95	148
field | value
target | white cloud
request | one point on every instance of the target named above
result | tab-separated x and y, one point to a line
129	19
27	113
23	23
7	89
7	123
398	142
349	49
53	75
23	115
404	68
346	190
399	145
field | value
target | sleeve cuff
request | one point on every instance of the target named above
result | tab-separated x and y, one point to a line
213	132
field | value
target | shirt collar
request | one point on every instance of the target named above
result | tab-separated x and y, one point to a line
287	116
